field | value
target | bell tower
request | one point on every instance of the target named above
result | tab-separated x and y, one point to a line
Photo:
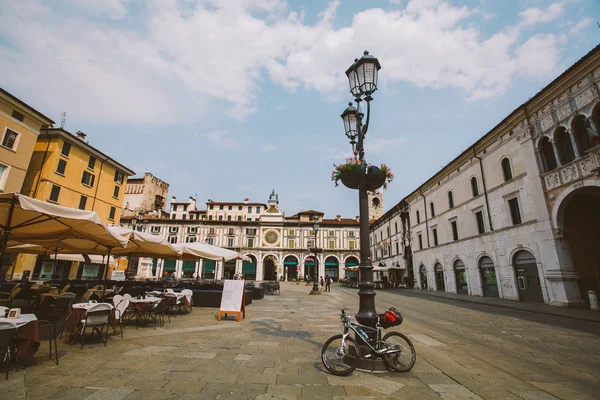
375	205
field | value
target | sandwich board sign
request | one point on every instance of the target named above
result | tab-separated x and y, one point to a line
233	301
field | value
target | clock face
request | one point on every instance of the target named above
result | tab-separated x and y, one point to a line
271	237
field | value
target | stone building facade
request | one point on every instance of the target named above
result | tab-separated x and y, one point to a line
147	194
278	246
515	215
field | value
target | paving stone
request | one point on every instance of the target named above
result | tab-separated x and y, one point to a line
184	386
322	392
366	380
110	394
72	394
146	384
285	390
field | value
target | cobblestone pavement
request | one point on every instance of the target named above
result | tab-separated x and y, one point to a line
464	352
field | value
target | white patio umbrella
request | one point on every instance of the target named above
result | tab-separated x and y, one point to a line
24	220
141	244
197	250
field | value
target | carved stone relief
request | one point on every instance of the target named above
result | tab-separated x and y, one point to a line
563	112
552	180
547	122
584	98
569	173
586	166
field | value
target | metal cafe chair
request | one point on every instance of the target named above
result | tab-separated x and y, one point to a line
8	331
51	332
96	317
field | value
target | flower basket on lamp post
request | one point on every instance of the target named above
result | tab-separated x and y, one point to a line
353	178
375	178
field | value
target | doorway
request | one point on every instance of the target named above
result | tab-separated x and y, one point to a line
423	276
269	269
439	278
489	283
528	279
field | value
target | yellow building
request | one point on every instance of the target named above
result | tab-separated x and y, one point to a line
20	126
66	170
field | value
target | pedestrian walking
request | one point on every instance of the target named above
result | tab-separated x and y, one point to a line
328	282
321	282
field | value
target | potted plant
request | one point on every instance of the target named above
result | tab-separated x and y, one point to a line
378	177
351	173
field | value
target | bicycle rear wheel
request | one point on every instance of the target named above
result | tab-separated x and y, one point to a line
404	355
339	360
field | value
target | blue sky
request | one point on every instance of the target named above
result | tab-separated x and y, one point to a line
231	99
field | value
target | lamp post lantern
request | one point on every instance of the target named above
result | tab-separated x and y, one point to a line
362	77
315	288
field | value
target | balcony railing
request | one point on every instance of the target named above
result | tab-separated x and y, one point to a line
576	170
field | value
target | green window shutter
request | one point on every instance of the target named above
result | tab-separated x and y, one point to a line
209	265
248	267
189	266
169	265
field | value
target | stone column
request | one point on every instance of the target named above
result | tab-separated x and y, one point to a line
159	267
574	144
178	269
540	161
238	266
556	153
259	269
563	289
197	267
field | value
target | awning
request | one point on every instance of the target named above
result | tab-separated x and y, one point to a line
331	264
290	263
94	258
351	264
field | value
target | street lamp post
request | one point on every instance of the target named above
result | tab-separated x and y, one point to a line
362	76
315	288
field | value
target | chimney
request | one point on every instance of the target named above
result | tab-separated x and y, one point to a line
173	199
192	203
80	135
246	200
338	217
358	218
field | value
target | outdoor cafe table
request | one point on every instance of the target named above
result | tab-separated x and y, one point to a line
149	299
28	336
78	314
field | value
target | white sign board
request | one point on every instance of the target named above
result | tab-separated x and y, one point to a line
117	275
233	292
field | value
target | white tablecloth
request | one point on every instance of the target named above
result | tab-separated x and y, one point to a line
22	320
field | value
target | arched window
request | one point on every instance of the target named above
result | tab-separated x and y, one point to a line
506	170
375	202
580	131
474	187
450	200
432	209
547	153
418	217
564	145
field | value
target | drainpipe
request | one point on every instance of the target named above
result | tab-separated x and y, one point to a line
97	185
426	220
485	193
41	167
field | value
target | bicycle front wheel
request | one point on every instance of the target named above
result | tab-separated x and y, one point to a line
339	360
402	354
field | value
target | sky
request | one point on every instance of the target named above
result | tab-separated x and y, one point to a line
230	99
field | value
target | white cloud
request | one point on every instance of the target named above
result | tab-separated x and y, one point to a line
267	148
115	9
580	26
191	53
534	15
377	145
223	140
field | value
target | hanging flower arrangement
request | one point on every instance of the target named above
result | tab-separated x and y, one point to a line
389	176
352	173
338	170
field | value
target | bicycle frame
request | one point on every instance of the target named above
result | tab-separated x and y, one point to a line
353	326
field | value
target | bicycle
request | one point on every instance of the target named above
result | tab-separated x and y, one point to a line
340	352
